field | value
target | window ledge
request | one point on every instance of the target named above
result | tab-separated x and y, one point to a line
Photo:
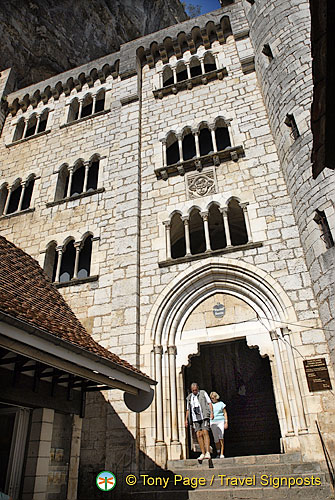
16	214
77	281
230	153
75	197
204	78
210	253
100	113
25	139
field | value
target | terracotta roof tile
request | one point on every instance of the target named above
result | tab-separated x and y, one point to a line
27	294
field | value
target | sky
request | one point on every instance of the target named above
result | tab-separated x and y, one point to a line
206	5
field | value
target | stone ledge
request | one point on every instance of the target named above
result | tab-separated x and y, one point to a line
25	139
180	168
75	197
77	281
16	214
100	113
204	78
210	253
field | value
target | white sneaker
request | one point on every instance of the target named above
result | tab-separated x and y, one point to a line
202	456
207	455
221	456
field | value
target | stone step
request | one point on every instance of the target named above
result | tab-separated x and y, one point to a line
275	458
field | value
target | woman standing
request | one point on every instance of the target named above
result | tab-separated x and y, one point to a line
219	423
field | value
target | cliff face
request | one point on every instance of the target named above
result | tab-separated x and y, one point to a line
40	38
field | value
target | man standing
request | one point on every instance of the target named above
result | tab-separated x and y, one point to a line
199	411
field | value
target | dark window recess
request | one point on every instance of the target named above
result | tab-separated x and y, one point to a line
326	235
167	77
85	259
210	67
197	233
205	139
172	153
178	245
290	122
181	74
189	150
195	70
42	125
3	198
87	110
216	228
14	200
222	138
236	222
31	128
50	263
77	185
54	266
28	194
66	184
267	51
68	260
19	131
100	104
92	179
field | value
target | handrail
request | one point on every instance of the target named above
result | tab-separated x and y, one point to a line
329	463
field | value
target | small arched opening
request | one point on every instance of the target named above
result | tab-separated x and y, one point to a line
205	140
3	197
181	72
189	150
236	222
217	233
68	261
15	196
172	149
222	135
195	67
31	127
93	173
197	232
167	76
178	245
85	255
28	192
77	185
100	101
73	111
209	62
19	130
43	121
62	183
50	261
87	106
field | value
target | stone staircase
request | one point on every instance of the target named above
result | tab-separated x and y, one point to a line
249	477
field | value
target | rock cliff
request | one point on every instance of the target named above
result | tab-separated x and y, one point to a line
41	38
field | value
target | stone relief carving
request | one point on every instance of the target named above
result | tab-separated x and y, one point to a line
201	184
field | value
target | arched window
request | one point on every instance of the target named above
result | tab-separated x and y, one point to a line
216	228
172	149
209	62
236	222
93	173
87	106
50	261
178	245
205	140
62	183
19	130
14	199
197	232
77	185
31	128
68	261
28	191
167	76
43	121
222	135
181	72
73	111
85	254
189	150
100	101
195	67
3	197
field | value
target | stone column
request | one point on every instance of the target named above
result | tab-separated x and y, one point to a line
23	185
287	410
212	129
158	349
188	68
167	225
94	99
10	189
76	262
174	70
72	486
197	145
160	75
246	219
163	141
37	123
204	216
172	351
59	250
185	220
26	121
68	194
297	392
224	212
180	145
202	62
87	168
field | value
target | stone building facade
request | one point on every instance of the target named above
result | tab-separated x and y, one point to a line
170	178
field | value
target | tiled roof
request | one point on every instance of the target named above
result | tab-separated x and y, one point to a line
27	294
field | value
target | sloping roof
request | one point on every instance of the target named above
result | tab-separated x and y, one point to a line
27	294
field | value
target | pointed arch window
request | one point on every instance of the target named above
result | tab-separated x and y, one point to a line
236	222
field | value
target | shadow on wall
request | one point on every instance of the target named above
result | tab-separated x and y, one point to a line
108	445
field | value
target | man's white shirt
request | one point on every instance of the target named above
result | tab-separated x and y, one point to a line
195	404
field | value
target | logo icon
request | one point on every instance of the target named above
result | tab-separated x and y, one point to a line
106	480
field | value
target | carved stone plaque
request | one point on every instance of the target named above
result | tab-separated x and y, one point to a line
317	375
201	184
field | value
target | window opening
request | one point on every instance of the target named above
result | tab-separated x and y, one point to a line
197	233
205	140
181	72
209	62
178	244
14	200
100	102
326	235
85	258
62	184
19	130
172	150
28	191
92	179
68	261
222	138
87	107
43	122
3	198
167	76
50	262
195	67
267	51
216	228
77	184
189	150
74	110
236	222
291	123
31	129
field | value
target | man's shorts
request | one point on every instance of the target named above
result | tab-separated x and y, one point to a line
201	425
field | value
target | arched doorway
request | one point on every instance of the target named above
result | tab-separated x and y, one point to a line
243	379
